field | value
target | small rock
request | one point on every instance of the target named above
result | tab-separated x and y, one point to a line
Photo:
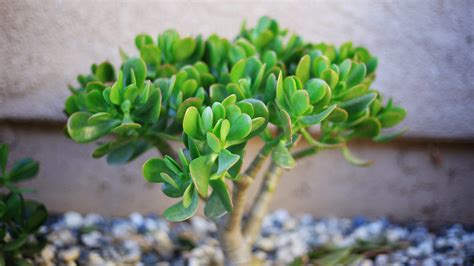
266	244
73	220
136	219
62	237
94	259
92	219
48	253
70	254
91	239
366	263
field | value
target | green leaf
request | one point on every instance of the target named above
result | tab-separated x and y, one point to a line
300	102
138	66
354	160
224	131
152	170
302	70
191	122
390	136
37	218
368	128
356	75
334	258
142	40
188	196
105	72
331	77
3	158
392	117
168	179
339	115
214	207
178	212
358	104
16	243
317	118
207	118
183	48
237	71
226	161
222	191
213	142
286	124
201	171
240	127
316	89
23	169
282	157
82	132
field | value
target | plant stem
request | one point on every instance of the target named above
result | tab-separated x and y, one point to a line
262	202
163	147
237	251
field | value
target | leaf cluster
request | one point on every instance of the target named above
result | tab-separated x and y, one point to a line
213	95
19	218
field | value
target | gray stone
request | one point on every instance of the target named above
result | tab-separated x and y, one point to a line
73	219
70	254
92	239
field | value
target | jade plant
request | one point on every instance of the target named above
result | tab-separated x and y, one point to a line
213	96
19	218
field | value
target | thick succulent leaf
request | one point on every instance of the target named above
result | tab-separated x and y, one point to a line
188	196
191	122
282	157
317	118
302	70
213	142
316	89
138	66
201	171
183	48
81	131
356	75
23	169
178	212
285	122
299	102
143	39
339	115
226	161
240	127
105	72
37	215
153	168
392	117
220	187
358	104
368	128
214	208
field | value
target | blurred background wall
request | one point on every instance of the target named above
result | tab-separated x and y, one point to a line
426	63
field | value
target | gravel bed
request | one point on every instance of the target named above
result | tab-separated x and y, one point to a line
92	239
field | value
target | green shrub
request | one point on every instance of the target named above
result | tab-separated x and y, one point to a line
214	95
19	218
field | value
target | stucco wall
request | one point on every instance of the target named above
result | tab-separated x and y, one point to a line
425	62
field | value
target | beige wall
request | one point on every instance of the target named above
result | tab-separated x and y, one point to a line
425	62
409	180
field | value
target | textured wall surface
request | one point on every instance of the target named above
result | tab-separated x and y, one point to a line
425	47
408	181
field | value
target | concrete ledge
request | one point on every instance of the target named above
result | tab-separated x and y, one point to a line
409	180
